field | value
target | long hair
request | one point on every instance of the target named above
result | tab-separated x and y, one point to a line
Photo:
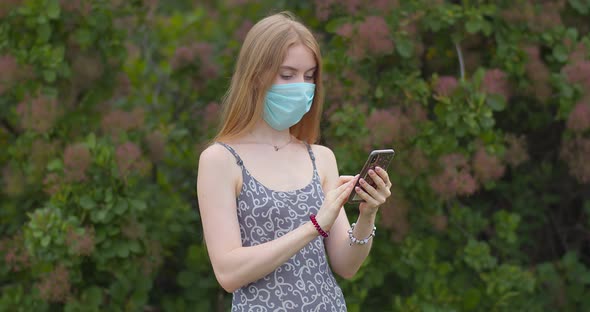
262	53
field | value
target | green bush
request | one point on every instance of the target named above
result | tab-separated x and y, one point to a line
105	106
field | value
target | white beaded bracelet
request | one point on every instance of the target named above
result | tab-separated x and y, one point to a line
354	240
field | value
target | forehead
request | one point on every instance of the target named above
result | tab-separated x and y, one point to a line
300	57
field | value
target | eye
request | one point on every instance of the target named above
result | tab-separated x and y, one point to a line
308	77
286	77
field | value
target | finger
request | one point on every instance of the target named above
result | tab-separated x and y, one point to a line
343	196
346	178
368	188
342	188
377	179
384	175
366	197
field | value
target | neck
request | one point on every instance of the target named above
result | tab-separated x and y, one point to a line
263	133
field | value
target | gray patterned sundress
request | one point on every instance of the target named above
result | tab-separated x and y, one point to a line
305	282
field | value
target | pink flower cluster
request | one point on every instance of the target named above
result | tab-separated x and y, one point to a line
128	158
389	125
326	8
132	229
38	114
394	215
487	167
200	52
14	181
15	253
445	85
82	7
156	143
8	5
77	159
41	152
55	286
538	73
87	68
372	36
516	150
496	82
211	114
578	72
8	71
575	153
153	258
579	118
539	17
117	121
52	183
455	178
243	29
81	244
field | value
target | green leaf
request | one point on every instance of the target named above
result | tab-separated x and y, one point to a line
473	26
55	165
496	102
87	202
560	53
405	47
91	141
53	9
49	75
134	246
379	92
92	296
583	7
122	250
121	207
138	205
45	241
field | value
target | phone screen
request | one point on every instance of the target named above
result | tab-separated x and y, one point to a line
377	158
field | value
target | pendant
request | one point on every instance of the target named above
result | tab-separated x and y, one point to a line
276	148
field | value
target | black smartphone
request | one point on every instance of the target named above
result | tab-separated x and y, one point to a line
377	158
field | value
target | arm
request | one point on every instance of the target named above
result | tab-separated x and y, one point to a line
235	265
345	260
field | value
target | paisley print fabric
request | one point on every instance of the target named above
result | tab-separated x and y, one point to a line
305	282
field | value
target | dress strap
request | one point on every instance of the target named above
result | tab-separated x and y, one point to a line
231	150
311	155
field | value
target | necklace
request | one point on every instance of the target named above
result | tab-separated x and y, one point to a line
277	148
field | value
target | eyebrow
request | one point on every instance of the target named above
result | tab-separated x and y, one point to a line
295	69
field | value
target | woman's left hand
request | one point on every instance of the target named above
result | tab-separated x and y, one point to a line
374	196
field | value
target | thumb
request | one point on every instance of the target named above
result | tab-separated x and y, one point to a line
343	179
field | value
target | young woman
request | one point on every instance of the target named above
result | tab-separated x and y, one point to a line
271	201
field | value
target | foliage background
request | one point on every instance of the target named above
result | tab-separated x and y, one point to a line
105	106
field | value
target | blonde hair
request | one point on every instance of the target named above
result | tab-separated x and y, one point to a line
262	53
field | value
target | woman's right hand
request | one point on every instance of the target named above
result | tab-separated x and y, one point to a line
334	200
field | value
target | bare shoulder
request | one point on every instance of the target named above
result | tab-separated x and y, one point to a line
214	153
216	158
217	171
323	153
326	162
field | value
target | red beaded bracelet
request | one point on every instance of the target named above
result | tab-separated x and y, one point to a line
317	226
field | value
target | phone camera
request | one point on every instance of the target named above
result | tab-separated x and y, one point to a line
373	158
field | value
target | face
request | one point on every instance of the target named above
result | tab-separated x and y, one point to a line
299	66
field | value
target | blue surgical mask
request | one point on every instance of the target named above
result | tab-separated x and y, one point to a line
286	104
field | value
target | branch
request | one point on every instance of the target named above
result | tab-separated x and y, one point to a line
461	62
